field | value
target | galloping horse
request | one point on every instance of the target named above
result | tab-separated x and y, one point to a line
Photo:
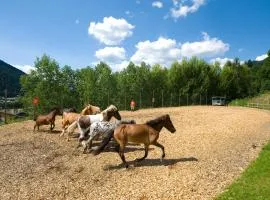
146	134
84	121
102	128
70	117
47	119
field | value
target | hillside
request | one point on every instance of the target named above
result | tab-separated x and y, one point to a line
10	77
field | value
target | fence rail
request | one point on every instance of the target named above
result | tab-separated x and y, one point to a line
259	105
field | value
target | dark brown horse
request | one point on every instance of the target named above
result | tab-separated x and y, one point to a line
146	134
47	119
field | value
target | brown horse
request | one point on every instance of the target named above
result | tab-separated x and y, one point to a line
47	119
146	134
70	117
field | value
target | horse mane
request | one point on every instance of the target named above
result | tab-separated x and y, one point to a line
132	121
88	107
55	109
157	120
110	108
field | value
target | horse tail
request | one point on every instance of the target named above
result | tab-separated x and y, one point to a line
35	118
104	143
72	127
63	115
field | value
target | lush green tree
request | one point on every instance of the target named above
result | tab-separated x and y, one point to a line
69	91
236	80
188	80
264	74
104	85
159	76
44	82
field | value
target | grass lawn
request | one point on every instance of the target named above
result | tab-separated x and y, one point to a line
254	183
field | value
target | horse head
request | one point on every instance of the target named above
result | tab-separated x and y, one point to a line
160	122
56	111
95	109
110	112
168	123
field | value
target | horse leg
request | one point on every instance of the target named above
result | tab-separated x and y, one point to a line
117	147
52	126
87	144
64	128
122	156
63	132
162	148
35	128
145	154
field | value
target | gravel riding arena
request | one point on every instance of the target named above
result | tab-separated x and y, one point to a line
210	148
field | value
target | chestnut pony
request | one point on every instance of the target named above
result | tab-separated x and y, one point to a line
70	117
47	119
146	134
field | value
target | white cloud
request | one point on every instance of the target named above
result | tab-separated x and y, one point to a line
261	57
181	10
115	57
25	68
119	66
111	54
157	4
208	47
163	51
111	31
175	2
222	61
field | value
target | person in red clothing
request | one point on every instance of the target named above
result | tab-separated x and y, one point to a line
132	105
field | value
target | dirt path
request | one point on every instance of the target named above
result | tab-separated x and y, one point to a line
211	147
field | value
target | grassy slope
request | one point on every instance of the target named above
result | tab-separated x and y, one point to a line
254	183
261	99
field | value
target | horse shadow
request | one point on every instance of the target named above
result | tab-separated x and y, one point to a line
152	162
111	148
49	131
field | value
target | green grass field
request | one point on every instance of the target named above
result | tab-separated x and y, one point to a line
254	183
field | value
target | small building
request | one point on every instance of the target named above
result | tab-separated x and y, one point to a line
218	101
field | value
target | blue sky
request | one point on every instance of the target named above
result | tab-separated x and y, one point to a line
82	33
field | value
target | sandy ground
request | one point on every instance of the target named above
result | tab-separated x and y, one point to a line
211	147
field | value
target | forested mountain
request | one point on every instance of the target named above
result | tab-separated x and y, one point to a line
10	79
